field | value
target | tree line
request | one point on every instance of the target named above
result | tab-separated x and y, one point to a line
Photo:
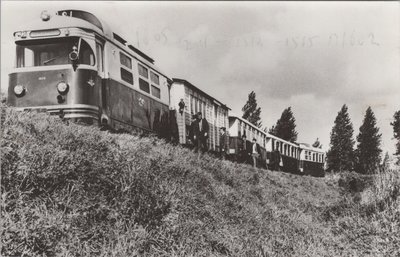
342	154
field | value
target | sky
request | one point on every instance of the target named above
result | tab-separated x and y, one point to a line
311	56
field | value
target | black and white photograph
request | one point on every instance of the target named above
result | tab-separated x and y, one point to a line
200	128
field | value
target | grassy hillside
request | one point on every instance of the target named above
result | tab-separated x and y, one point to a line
72	190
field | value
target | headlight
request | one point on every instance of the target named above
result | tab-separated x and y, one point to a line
19	90
45	16
73	56
62	87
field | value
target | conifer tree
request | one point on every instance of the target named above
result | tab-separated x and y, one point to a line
251	112
340	156
368	149
285	127
396	133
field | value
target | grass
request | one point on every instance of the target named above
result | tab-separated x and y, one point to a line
72	190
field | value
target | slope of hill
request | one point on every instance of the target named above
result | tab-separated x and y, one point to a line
72	190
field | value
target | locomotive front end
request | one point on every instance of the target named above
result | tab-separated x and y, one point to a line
56	70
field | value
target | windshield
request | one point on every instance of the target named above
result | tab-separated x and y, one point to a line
52	52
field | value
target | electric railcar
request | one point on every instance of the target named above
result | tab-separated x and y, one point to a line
71	64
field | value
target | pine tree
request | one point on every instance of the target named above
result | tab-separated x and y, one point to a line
251	112
368	149
340	156
396	133
285	127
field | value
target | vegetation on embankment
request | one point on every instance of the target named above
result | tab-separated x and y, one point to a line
72	190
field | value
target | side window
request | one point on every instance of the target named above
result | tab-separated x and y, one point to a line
155	82
191	105
126	62
216	114
196	106
149	84
99	53
126	76
154	78
25	57
155	91
143	71
144	85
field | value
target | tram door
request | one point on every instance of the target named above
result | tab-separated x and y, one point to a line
100	80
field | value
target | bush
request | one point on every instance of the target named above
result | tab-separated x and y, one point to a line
368	216
352	182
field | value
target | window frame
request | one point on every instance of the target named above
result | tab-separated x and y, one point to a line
140	84
126	57
123	77
157	88
149	80
100	57
86	52
126	69
145	68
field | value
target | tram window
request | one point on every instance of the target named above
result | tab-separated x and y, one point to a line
126	76
52	52
143	71
86	55
154	78
99	52
196	108
144	85
191	105
155	91
125	60
25	57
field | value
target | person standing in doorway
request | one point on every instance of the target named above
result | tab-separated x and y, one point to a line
191	130
200	133
223	143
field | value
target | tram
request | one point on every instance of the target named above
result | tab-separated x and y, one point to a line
71	64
